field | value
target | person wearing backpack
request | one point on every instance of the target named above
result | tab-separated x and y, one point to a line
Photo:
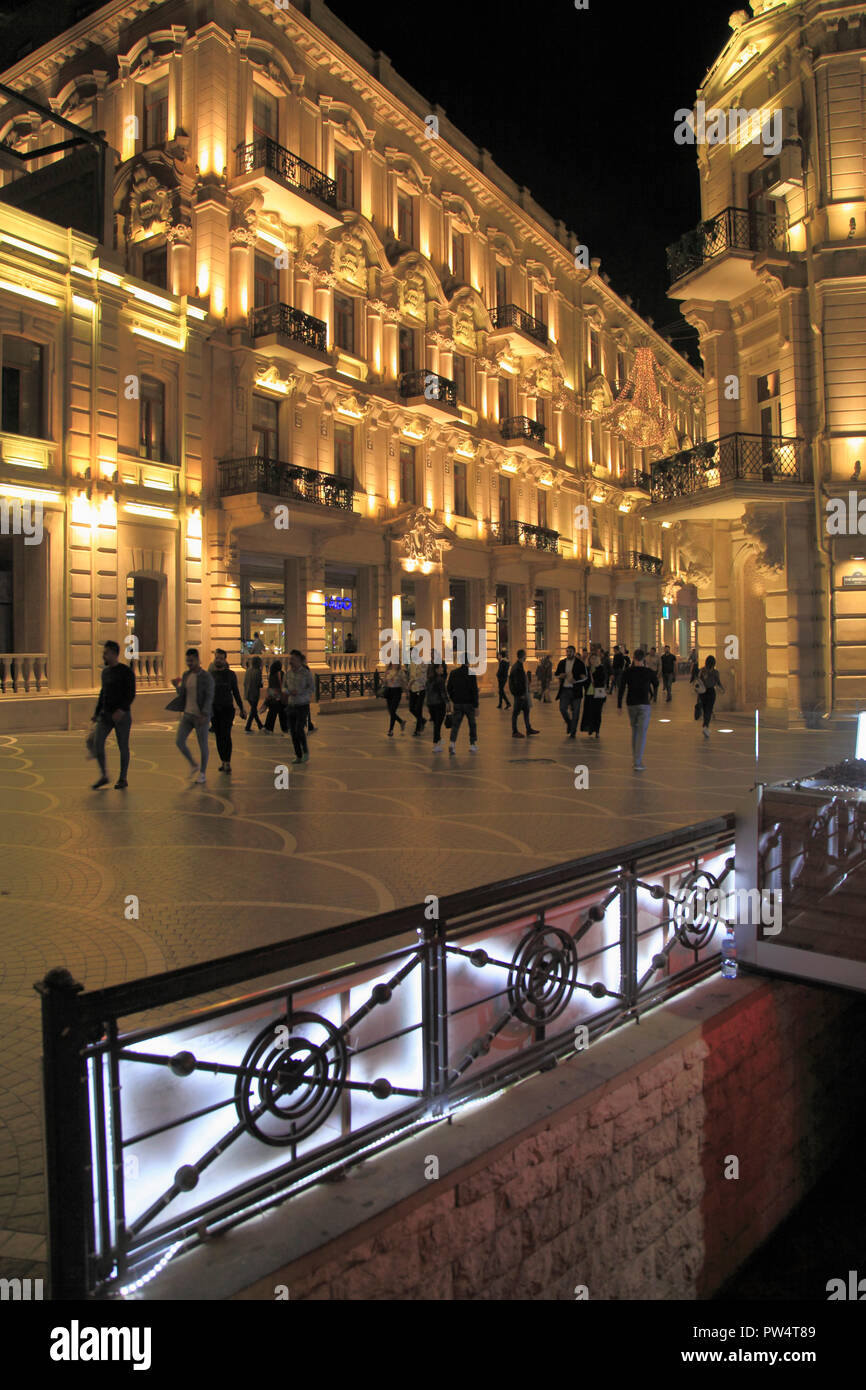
706	683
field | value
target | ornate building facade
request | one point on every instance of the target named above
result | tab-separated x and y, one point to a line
773	281
336	372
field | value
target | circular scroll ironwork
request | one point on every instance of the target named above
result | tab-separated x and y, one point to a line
291	1078
543	975
694	920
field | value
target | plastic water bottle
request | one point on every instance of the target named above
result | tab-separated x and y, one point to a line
729	955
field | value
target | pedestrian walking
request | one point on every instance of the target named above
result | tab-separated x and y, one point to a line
654	662
638	682
617	666
226	696
572	676
545	676
436	696
308	719
253	691
394	682
706	683
300	687
593	704
276	699
518	684
693	664
669	671
195	691
501	678
113	712
417	687
463	693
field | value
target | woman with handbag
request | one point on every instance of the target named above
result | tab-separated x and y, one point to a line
593	705
437	700
706	683
277	699
394	683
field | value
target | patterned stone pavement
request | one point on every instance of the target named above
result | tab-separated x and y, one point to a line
370	823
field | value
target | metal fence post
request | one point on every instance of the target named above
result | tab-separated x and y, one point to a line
67	1140
628	937
434	1013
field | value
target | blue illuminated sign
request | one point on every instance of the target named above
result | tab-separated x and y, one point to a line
666	612
341	604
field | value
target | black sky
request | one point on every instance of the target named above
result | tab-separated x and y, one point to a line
578	105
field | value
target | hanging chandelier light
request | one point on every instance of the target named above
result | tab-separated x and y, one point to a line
639	415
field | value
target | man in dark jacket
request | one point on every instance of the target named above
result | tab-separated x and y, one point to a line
225	696
113	712
638	685
669	670
572	676
501	678
463	694
518	684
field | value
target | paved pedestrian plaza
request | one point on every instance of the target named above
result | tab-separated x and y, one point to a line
370	823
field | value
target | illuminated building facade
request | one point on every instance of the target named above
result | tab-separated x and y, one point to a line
773	281
336	373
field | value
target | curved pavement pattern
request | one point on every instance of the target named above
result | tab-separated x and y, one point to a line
368	824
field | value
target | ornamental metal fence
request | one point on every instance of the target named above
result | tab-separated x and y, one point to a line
283	164
752	458
166	1126
733	229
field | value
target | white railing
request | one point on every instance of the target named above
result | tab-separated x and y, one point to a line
346	661
149	668
23	673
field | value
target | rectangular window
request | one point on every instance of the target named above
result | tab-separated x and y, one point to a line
344	173
503	399
266	286
594	352
596	532
458	257
405	219
540	412
265	428
154	267
344	322
502	617
152	416
540	307
504	500
620	369
542	507
501	286
344	453
266	114
461	500
461	378
155	113
407	350
341	613
23	387
408	474
540	621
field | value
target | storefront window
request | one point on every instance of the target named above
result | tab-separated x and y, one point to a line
540	622
263	617
341	619
502	617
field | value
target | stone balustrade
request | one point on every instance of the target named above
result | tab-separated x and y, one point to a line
23	673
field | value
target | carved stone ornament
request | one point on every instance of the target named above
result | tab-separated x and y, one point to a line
763	525
696	563
414	297
350	264
149	201
423	540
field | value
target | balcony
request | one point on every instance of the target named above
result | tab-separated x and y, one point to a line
719	476
522	533
636	483
289	334
428	393
715	260
521	427
637	560
519	331
278	479
300	193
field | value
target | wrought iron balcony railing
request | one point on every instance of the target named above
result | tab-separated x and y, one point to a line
753	458
511	316
429	385
279	162
734	229
637	560
521	427
279	479
638	479
523	533
165	1129
290	323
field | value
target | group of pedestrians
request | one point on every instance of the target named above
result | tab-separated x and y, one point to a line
448	697
206	701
